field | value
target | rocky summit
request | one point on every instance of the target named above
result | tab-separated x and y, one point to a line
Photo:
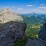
35	42
10	32
7	15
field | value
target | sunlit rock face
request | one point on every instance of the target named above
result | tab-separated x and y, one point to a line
42	33
11	32
7	15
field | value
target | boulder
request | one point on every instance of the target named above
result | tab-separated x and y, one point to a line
42	33
10	32
35	42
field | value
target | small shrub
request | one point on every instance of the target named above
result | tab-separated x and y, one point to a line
21	42
0	20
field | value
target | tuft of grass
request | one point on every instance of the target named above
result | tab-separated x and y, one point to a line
32	36
32	32
0	20
21	42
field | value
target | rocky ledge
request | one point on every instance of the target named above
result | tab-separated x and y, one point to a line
10	32
35	42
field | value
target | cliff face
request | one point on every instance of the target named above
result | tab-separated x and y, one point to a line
11	32
36	42
42	33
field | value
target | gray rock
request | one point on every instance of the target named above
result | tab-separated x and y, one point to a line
11	32
42	33
35	42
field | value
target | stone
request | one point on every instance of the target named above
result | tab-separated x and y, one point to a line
35	42
11	32
42	32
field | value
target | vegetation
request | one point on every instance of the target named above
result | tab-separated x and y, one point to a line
0	20
33	25
21	42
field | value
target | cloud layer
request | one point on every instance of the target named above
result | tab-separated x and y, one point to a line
29	5
28	8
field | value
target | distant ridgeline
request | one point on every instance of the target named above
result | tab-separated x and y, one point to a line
34	18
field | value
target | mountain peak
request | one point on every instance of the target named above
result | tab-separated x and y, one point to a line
5	10
7	15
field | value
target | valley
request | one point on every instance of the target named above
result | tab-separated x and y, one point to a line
34	22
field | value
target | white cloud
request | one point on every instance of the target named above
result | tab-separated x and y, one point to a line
41	4
5	7
8	7
13	6
39	10
36	10
42	7
30	5
20	8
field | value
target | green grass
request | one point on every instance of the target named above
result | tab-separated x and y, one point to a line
21	42
32	32
32	36
0	20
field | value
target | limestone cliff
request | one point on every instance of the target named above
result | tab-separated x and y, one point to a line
7	15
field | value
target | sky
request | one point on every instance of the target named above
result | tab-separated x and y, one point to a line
24	6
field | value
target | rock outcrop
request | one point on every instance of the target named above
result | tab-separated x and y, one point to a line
35	42
7	15
42	33
11	32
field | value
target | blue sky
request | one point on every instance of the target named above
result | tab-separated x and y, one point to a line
24	6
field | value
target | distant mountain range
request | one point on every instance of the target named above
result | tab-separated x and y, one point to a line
34	22
34	18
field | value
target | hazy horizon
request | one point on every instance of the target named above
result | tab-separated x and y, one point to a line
24	6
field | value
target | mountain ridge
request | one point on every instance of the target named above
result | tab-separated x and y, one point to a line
7	15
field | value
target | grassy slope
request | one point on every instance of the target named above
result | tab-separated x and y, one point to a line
21	42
